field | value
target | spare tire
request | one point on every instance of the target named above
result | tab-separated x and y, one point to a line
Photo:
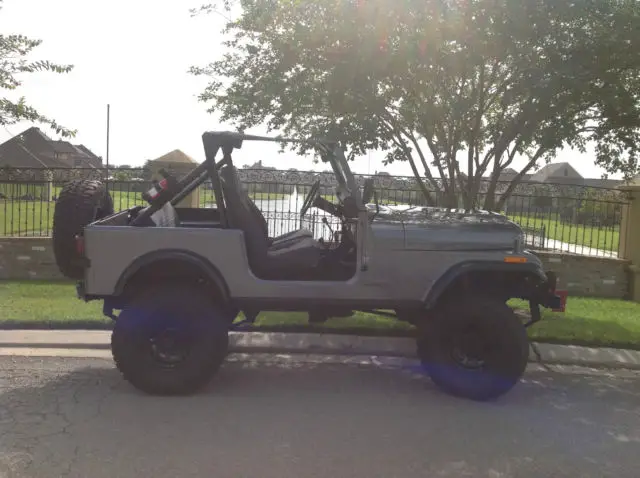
80	203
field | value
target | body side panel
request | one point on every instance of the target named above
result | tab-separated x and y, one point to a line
393	273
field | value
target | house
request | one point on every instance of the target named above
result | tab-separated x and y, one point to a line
175	163
32	149
557	173
174	157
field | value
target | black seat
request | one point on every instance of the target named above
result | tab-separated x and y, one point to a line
283	238
278	240
294	260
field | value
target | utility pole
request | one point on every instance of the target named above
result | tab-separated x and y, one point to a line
108	125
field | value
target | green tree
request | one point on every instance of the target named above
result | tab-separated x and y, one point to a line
14	63
460	90
596	209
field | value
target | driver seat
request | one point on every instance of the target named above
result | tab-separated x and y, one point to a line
291	260
255	211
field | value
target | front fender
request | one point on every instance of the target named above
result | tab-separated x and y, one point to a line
458	270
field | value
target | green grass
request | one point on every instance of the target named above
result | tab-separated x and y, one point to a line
29	218
267	196
588	321
25	218
599	238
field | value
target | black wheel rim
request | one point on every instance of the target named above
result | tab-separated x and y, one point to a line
170	346
471	348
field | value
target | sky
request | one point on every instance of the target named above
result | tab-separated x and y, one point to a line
135	56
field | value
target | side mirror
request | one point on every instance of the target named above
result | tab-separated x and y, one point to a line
367	191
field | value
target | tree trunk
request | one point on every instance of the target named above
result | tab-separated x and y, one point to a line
423	187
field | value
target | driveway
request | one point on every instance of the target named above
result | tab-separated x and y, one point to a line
280	417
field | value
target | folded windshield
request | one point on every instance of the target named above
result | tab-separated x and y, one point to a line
342	171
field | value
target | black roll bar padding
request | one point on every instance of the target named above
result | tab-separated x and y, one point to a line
189	189
166	196
213	141
217	191
217	185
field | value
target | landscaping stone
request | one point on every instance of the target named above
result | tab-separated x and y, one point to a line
25	258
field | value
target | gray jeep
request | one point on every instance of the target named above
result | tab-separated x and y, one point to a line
179	277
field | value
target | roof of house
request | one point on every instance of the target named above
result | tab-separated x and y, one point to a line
34	149
600	183
552	170
175	156
87	151
64	147
30	149
509	172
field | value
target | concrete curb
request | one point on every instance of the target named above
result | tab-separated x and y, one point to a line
319	344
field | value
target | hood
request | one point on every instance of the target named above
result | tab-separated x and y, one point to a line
429	228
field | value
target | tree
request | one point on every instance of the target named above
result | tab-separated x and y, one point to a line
460	90
14	50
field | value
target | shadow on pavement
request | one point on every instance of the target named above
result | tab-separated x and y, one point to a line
292	419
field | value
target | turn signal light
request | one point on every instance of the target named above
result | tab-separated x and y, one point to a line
515	260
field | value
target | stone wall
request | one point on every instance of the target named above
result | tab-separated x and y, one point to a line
28	258
32	258
589	276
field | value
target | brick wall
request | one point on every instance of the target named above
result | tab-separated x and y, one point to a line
27	258
32	258
588	276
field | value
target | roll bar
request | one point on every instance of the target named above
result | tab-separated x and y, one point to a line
213	142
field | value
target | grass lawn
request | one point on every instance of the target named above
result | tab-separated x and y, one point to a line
596	322
605	238
35	218
25	218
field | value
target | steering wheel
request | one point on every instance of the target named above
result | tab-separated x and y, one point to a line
310	199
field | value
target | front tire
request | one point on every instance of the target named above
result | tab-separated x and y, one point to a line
170	340
474	348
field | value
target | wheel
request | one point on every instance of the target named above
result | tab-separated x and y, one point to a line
474	348
80	203
170	340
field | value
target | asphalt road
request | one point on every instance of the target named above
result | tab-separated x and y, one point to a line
281	417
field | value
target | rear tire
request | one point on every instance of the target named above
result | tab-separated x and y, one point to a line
80	203
474	348
170	340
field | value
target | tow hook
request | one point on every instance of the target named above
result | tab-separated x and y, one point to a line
534	309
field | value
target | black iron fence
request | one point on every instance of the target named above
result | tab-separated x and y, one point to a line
569	218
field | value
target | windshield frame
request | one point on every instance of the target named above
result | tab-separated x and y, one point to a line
344	176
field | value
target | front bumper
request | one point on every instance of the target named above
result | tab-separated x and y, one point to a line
547	296
550	296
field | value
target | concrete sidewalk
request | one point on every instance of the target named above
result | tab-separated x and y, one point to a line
334	344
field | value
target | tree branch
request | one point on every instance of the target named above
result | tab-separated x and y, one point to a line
518	178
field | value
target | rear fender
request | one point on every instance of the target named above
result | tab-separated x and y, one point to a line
187	259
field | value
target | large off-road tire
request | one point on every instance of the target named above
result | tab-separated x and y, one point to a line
474	348
170	340
80	203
